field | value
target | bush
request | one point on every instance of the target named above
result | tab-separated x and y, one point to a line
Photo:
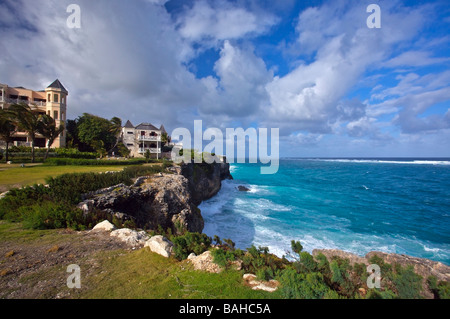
74	153
189	243
91	162
302	286
407	283
440	290
49	215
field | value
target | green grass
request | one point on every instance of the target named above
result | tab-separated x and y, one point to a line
125	274
12	176
143	274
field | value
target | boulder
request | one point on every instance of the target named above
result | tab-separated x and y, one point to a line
270	286
104	226
204	262
133	238
243	188
160	245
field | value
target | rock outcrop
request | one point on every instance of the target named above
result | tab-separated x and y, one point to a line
252	281
133	238
104	226
205	180
204	262
162	200
160	245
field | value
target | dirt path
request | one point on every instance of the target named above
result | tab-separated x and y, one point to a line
37	268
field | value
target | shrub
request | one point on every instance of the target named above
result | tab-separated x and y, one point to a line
407	283
440	290
190	243
49	215
302	286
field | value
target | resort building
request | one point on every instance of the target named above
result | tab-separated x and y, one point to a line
51	101
142	138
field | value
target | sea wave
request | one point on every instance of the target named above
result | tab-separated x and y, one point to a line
383	161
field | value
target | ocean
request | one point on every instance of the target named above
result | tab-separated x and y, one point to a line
357	205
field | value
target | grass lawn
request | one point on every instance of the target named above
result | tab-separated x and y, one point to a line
12	176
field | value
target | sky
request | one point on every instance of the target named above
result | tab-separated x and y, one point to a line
313	69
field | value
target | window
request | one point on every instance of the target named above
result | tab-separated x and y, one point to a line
55	98
55	115
49	97
129	144
142	133
129	132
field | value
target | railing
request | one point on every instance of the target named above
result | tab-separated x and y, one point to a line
37	103
150	138
152	150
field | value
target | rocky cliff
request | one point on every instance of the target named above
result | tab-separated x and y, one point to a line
162	200
205	179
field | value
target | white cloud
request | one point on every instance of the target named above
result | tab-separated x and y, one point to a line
222	20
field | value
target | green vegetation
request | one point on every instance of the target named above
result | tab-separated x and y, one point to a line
94	162
41	207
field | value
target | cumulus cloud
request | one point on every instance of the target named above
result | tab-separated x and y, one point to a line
212	21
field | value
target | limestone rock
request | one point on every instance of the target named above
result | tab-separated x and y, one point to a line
270	286
204	262
160	245
133	238
104	225
342	254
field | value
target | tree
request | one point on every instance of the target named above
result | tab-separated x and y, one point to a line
50	131
7	129
27	120
115	130
99	133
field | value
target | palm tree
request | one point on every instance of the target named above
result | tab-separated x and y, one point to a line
49	130
7	129
115	130
27	120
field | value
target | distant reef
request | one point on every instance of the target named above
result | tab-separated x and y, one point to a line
163	200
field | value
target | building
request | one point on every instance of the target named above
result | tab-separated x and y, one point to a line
142	138
51	101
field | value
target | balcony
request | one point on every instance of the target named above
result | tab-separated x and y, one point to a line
150	138
12	101
152	150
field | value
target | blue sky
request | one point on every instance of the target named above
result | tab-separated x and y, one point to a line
313	69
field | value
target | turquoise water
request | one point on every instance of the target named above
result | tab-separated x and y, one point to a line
397	206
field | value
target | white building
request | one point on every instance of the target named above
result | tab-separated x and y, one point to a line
145	136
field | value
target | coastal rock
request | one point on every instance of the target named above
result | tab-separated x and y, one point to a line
105	226
329	253
204	262
163	201
251	280
131	237
243	188
160	245
205	179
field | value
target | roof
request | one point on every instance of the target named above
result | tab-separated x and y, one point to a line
147	127
128	124
57	85
162	129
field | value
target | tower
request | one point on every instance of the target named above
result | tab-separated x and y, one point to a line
56	107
